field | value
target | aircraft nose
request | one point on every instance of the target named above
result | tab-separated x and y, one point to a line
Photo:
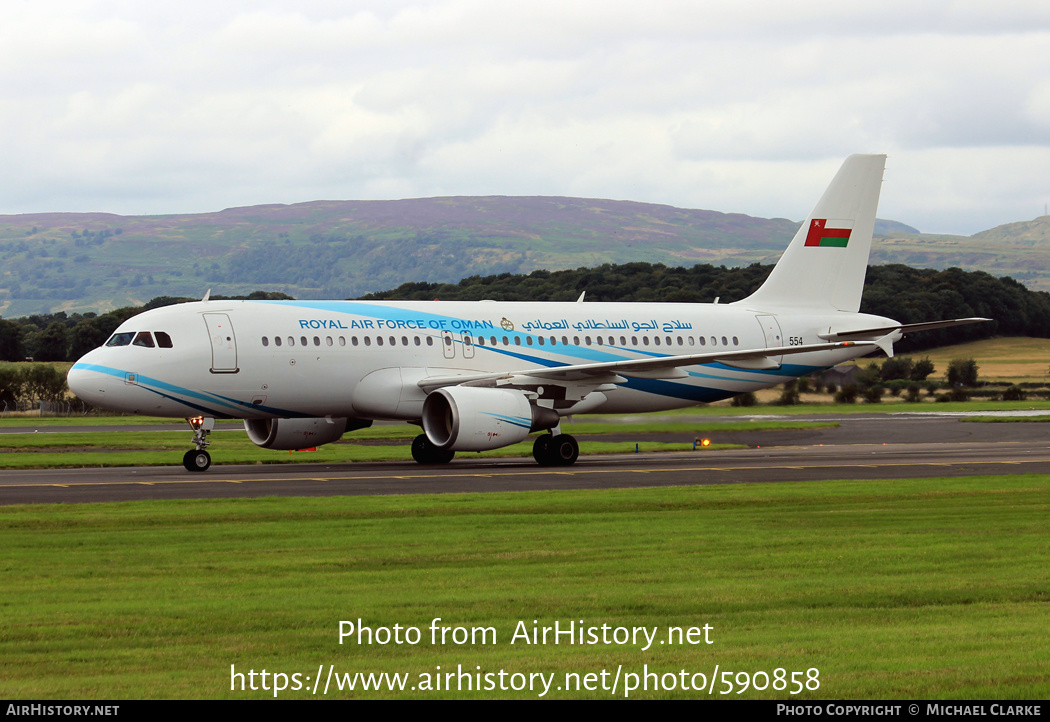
87	385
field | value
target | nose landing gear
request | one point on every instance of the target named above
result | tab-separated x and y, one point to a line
198	459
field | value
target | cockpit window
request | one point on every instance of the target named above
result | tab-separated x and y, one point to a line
120	339
144	339
163	339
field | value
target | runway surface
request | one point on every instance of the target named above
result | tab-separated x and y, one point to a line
863	447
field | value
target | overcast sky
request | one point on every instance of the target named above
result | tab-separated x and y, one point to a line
145	108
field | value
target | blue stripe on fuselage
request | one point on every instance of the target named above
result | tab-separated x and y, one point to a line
145	382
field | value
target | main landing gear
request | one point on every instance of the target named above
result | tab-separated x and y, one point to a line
548	450
198	459
424	452
555	450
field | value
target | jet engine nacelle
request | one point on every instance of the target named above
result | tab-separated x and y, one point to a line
465	418
290	434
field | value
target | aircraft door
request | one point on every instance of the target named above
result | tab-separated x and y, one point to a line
774	338
223	343
468	346
447	344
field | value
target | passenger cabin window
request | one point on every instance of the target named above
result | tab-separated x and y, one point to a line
144	339
121	339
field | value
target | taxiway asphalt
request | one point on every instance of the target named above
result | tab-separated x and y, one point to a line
862	448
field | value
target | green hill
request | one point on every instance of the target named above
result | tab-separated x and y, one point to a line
1018	250
338	249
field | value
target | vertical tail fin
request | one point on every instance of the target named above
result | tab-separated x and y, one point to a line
825	263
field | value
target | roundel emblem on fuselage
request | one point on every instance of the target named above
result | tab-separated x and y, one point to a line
506	325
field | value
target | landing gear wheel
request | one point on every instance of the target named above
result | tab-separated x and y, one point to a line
196	460
541	450
564	450
425	452
560	450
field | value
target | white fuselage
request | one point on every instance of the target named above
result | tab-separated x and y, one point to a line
288	359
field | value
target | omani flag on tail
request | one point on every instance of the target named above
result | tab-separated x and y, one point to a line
828	232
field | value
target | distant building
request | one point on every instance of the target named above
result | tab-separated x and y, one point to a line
839	375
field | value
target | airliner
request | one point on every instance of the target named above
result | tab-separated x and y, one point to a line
482	375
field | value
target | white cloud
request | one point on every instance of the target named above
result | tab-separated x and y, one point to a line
143	108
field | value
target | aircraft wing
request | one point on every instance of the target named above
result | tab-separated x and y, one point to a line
614	371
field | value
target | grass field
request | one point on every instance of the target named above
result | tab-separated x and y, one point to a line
934	588
1007	358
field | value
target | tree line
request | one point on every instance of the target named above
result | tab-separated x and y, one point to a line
23	385
909	295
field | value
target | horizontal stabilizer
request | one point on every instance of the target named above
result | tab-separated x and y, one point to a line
880	331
